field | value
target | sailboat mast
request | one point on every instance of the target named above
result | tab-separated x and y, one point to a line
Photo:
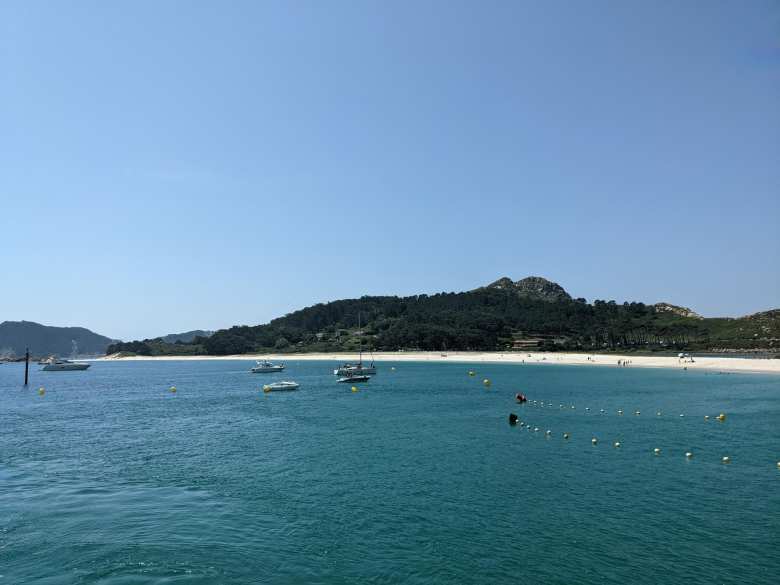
360	342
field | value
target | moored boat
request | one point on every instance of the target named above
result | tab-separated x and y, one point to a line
266	367
283	386
357	369
62	365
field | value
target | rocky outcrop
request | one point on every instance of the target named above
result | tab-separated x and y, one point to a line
502	283
679	311
533	287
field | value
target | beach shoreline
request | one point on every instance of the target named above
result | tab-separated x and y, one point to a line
724	364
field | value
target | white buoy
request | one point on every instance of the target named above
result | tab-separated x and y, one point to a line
617	444
658	413
620	412
706	417
682	415
548	433
602	411
587	408
594	441
657	451
688	454
726	459
572	407
536	429
565	435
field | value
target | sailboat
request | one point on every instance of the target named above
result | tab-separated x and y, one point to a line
358	369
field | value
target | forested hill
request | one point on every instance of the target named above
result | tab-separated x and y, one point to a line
532	313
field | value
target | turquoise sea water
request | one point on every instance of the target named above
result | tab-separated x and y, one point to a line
417	478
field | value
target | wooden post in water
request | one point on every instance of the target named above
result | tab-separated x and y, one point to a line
26	365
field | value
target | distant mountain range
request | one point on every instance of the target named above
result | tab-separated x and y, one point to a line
187	336
44	340
531	313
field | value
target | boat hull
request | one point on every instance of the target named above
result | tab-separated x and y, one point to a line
64	367
353	379
266	369
281	387
355	370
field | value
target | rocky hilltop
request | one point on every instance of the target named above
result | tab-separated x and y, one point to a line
533	287
679	311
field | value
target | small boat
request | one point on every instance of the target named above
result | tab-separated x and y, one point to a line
62	365
284	386
355	378
266	367
357	369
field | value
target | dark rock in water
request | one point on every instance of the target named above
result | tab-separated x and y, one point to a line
512	418
533	287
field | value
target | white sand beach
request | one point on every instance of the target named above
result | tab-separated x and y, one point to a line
724	364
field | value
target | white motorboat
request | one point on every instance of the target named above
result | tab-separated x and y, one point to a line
266	367
62	365
284	386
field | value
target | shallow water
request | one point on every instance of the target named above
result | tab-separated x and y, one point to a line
417	478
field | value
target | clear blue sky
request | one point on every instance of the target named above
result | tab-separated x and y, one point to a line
166	166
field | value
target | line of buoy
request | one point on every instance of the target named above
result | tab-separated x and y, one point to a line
594	441
617	444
